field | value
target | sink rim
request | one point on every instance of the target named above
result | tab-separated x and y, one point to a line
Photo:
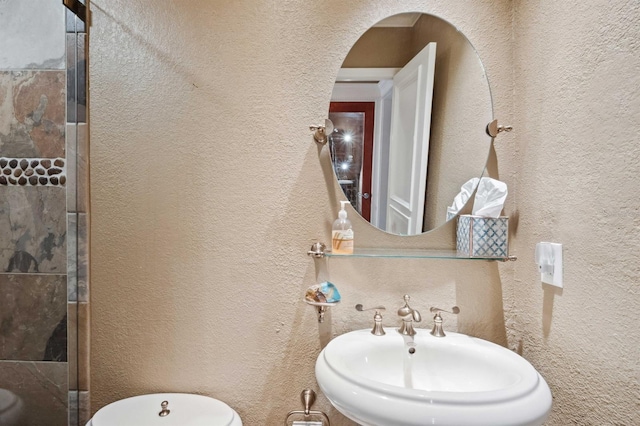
337	360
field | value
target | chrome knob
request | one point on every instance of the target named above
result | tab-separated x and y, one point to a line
165	411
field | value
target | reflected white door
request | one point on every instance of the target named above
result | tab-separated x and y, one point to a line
410	127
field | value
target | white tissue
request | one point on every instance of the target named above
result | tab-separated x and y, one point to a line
463	196
490	197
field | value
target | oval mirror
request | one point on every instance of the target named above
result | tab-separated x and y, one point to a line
409	107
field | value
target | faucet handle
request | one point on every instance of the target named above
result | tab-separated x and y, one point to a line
437	320
377	319
454	310
406	310
361	308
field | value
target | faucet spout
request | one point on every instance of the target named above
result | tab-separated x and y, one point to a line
408	317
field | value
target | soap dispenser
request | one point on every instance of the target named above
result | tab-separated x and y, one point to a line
342	233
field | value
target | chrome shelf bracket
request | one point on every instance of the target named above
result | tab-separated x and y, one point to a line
317	250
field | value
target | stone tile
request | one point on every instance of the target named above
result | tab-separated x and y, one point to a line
81	79
75	24
84	407
32	34
32	114
79	408
84	341
77	167
73	406
72	345
33	317
72	152
72	63
76	78
83	258
72	257
82	169
42	391
33	229
70	19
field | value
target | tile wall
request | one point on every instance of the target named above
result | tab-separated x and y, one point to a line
44	315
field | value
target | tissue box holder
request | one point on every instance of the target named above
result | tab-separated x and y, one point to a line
478	236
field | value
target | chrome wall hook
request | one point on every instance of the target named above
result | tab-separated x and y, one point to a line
321	133
493	128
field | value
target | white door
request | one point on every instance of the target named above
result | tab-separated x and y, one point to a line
409	145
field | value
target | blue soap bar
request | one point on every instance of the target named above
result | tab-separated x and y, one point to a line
330	292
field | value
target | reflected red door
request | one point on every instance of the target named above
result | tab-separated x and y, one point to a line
368	109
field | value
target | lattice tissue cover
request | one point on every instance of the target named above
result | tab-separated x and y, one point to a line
485	233
483	236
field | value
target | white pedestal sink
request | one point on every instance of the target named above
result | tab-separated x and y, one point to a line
453	380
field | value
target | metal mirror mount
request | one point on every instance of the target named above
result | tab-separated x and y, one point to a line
321	133
493	129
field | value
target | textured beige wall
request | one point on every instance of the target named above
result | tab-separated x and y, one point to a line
207	190
577	99
386	47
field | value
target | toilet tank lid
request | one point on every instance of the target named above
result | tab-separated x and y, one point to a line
184	410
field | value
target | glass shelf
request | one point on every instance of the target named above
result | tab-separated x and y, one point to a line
412	254
318	250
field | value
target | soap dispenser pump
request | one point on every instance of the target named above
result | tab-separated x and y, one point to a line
342	233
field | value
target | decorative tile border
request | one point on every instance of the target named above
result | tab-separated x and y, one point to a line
84	407
79	408
33	171
77	258
77	153
77	167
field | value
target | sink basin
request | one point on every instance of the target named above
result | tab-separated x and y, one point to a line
453	380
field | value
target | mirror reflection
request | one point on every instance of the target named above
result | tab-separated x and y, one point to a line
409	107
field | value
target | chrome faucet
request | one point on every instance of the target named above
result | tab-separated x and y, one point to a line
408	316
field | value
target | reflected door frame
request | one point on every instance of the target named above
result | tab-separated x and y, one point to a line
368	109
